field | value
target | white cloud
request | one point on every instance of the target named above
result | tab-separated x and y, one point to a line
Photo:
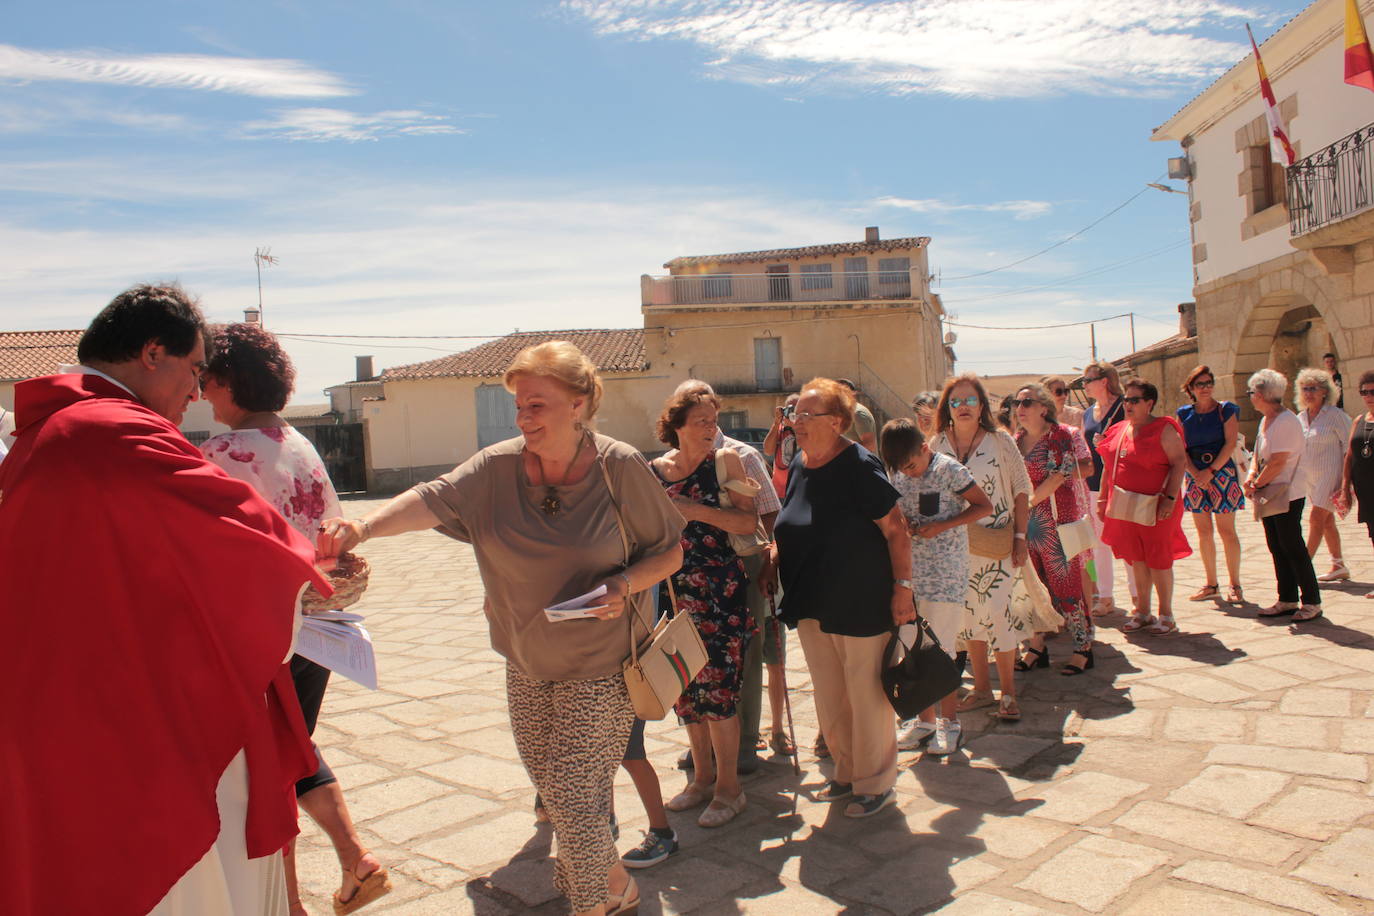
268	78
1019	209
323	124
982	48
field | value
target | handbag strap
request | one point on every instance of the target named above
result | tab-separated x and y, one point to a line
625	545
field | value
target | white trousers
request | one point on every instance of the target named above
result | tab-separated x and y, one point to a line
225	882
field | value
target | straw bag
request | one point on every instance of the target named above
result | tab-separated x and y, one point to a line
991	543
349	578
657	672
745	545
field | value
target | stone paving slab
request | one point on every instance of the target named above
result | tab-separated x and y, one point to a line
1224	770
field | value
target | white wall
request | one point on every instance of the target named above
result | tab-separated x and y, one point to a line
1328	110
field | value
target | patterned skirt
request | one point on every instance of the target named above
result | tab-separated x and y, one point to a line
1222	495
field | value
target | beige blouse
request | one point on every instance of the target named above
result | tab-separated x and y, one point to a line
530	560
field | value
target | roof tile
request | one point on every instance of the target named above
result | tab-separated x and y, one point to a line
610	349
810	251
28	354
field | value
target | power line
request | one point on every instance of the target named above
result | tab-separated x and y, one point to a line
1036	327
1063	241
1073	278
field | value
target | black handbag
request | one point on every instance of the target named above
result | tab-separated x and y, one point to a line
917	676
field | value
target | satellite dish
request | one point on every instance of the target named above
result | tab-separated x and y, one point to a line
950	338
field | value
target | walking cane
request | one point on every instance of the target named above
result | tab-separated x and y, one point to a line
786	695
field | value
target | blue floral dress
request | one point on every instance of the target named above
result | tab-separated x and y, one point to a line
711	587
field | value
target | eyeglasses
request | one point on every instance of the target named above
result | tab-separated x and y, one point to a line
970	401
805	415
1087	379
1134	399
1367	392
1059	392
1024	402
1314	389
1207	384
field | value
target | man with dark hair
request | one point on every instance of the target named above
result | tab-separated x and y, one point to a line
151	601
1329	362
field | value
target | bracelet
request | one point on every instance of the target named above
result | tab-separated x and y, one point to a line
1168	497
1019	535
629	587
367	529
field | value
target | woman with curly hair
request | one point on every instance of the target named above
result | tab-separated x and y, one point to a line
247	382
711	588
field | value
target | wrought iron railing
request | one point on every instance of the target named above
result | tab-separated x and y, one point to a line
1332	183
805	285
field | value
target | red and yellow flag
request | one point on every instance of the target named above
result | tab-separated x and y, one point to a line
1271	107
1359	62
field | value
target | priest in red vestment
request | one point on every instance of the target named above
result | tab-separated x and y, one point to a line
150	737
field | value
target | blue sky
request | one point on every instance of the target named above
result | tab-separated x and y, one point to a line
466	168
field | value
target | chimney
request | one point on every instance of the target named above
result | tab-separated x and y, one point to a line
365	371
252	315
1187	319
871	235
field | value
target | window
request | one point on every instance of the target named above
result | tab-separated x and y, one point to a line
732	419
817	276
856	278
715	286
894	274
1267	178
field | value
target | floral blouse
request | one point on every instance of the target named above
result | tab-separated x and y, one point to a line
1058	451
284	468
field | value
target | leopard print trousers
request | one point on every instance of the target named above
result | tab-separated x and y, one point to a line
571	736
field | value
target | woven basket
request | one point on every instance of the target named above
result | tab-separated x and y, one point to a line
349	579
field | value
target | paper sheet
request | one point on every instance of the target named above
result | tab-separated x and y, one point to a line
575	608
338	641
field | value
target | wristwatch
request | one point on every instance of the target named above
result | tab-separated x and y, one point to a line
904	583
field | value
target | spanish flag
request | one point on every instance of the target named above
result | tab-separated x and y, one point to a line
1271	107
1359	62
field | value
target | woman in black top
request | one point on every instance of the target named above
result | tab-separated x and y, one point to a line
1102	383
1357	480
845	564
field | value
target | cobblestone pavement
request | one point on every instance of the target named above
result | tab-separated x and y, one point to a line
1224	770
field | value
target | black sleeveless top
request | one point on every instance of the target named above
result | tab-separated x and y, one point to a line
1362	467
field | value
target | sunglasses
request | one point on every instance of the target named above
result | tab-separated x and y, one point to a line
1134	399
1092	378
1024	402
1313	389
970	401
1367	392
1207	384
1059	392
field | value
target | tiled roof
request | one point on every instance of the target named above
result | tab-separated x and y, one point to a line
611	349
27	354
810	251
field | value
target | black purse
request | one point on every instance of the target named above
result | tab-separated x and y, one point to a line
917	676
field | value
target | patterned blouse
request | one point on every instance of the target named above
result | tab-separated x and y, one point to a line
284	468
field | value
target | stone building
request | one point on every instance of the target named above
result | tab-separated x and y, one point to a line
1283	259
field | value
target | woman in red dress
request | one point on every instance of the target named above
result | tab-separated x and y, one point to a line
1142	458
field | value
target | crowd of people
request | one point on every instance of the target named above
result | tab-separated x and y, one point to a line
996	524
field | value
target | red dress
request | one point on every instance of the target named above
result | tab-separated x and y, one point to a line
1143	468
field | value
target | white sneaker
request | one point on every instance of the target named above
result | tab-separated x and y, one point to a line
946	738
912	733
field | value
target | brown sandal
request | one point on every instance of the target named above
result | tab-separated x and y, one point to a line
371	886
781	745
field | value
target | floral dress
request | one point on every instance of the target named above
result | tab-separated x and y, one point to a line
997	468
1059	450
284	468
711	586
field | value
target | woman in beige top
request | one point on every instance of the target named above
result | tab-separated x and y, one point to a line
541	514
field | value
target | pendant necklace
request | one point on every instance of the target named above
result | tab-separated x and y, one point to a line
552	505
1367	451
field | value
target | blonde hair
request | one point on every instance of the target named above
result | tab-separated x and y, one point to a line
565	364
1112	374
1320	376
839	399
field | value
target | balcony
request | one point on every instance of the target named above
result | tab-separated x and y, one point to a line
761	378
1331	186
781	287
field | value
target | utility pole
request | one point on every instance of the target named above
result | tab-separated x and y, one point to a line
1092	330
1132	332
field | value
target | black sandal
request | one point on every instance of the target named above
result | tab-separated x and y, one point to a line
1042	659
1071	669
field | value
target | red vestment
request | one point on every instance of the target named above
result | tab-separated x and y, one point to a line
146	606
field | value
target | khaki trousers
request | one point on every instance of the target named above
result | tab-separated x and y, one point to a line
859	725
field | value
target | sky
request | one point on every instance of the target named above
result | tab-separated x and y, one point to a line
456	169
